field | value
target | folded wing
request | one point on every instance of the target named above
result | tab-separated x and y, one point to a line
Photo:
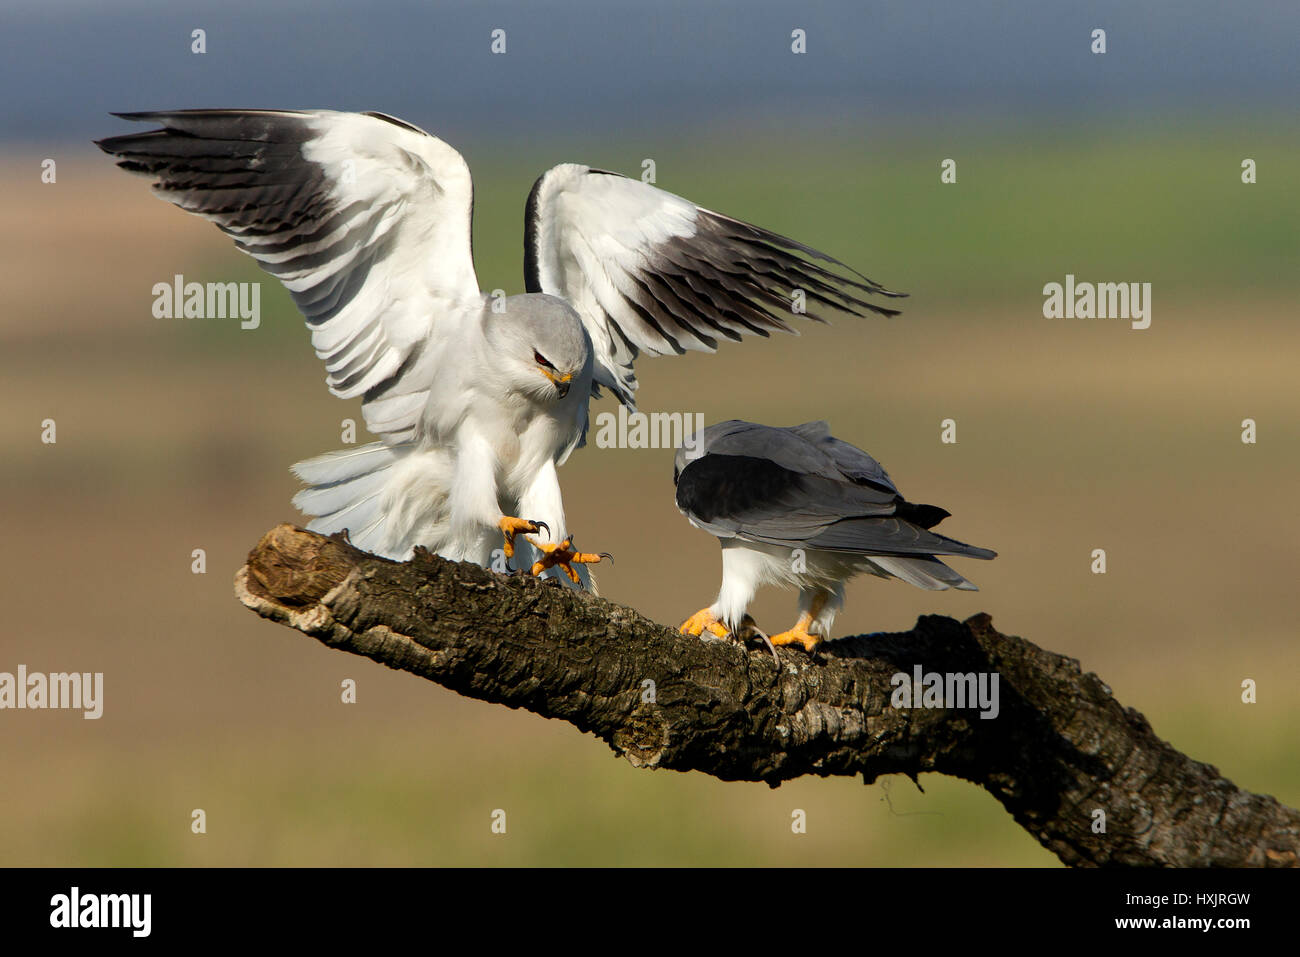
363	218
777	486
651	272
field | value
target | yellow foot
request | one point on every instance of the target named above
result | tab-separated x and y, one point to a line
701	621
798	635
563	556
511	526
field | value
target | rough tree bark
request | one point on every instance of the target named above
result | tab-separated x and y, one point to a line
1060	748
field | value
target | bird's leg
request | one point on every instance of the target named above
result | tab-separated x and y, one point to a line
799	634
564	556
511	526
703	620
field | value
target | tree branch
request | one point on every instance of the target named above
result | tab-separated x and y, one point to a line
1060	749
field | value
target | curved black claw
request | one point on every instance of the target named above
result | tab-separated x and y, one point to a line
767	641
749	628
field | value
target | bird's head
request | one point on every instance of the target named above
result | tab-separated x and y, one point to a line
541	347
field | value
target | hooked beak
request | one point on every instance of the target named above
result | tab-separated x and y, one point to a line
561	382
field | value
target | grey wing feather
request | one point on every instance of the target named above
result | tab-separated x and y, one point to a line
892	536
809	449
801	487
845	518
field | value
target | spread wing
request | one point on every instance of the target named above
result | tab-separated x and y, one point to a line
651	272
363	218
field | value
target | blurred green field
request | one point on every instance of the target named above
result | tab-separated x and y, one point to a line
1072	435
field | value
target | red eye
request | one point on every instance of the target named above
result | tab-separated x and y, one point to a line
541	360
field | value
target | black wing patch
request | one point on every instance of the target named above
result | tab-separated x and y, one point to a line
723	486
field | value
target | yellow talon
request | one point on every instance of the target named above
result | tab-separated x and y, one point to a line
702	620
799	635
563	556
511	526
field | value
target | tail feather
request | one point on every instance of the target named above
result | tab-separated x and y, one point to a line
333	467
340	496
344	487
928	573
351	489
